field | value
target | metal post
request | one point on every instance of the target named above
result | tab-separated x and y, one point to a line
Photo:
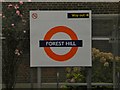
118	80
89	75
57	80
31	78
115	53
114	75
39	78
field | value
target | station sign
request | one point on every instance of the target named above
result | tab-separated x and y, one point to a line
60	38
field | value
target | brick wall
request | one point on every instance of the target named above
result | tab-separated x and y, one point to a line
49	74
96	7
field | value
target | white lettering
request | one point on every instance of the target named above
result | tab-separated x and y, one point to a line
70	44
54	43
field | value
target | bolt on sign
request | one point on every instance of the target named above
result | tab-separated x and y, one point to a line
60	38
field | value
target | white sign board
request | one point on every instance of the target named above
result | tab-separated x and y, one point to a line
60	38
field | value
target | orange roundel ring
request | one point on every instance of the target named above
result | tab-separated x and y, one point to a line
55	56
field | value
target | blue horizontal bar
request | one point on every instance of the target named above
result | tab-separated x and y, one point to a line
60	43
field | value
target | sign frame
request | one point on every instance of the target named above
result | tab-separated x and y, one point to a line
79	14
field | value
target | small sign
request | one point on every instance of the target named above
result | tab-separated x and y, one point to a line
78	15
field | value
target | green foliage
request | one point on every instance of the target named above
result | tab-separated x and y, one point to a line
102	69
101	73
12	30
74	75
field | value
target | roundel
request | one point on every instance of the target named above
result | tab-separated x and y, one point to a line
55	56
